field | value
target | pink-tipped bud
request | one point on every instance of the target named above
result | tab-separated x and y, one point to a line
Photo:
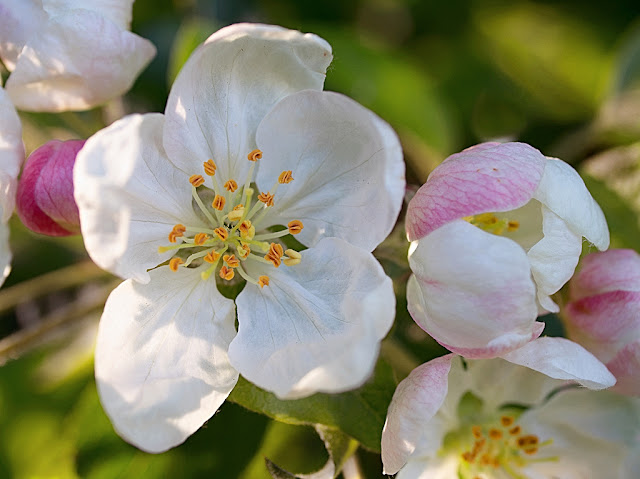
604	313
45	202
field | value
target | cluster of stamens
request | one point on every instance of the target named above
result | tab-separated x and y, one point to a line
233	218
502	446
492	224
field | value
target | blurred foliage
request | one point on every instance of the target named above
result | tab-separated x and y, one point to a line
561	75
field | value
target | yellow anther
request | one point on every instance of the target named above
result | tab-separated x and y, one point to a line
275	254
231	186
222	233
238	207
476	431
196	180
293	259
226	273
285	177
247	230
243	250
266	198
236	214
200	239
174	263
255	155
210	167
513	225
263	281
231	260
295	226
212	257
177	231
218	203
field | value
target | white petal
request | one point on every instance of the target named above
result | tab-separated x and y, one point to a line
161	357
11	155
411	415
19	21
130	196
472	291
554	258
76	61
229	84
563	192
317	326
347	167
563	359
593	434
118	11
5	252
432	468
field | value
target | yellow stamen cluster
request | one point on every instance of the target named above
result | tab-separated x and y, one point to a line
490	223
231	238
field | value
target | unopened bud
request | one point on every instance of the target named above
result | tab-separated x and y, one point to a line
45	202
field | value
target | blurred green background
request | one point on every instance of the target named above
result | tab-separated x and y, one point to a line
562	76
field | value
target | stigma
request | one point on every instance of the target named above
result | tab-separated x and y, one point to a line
235	232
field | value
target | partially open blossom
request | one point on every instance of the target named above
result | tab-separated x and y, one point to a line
69	54
45	202
11	158
496	230
250	159
604	313
491	419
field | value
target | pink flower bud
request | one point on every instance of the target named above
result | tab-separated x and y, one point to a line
45	202
604	313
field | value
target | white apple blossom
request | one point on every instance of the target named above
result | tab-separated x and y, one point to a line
496	230
490	419
69	54
185	203
11	158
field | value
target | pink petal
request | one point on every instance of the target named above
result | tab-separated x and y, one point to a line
626	368
484	178
616	269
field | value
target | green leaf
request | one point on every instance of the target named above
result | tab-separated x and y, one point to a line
191	33
627	70
360	413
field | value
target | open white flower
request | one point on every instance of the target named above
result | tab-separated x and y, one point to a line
11	158
184	203
69	54
496	420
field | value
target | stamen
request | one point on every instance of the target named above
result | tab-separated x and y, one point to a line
513	225
177	231
210	167
200	239
263	281
218	203
235	214
275	254
295	227
231	260
285	177
247	230
222	233
226	273
266	198
231	186
293	259
506	421
255	155
174	263
212	257
196	180
243	250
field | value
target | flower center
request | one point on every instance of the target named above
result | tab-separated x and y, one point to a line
233	217
490	223
495	448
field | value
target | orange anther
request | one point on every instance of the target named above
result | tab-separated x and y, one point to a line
515	430
200	239
263	281
245	226
212	257
210	167
275	254
196	180
266	198
295	226
238	207
227	273
243	250
218	203
476	431
231	186
221	232
285	177
231	260
177	231
255	155
495	433
506	421
174	263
